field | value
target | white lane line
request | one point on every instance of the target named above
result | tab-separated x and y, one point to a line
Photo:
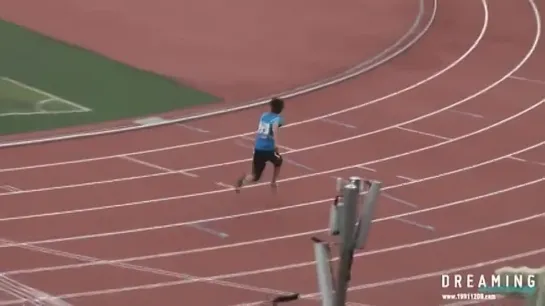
157	167
10	188
31	295
416	224
147	164
291	161
339	123
522	160
466	113
357	70
517	159
222	184
192	128
9	289
423	133
406	178
309	263
366	168
527	80
401	201
208	230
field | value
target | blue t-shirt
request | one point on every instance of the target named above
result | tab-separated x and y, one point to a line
264	140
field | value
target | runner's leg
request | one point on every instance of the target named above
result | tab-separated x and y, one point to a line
277	162
259	161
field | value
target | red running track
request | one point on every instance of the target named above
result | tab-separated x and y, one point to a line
452	128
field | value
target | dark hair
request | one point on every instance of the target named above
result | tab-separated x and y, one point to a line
277	105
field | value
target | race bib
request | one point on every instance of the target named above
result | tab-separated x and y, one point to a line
264	129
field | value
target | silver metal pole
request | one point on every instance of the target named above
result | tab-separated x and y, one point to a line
339	182
335	217
323	270
351	196
367	214
356	180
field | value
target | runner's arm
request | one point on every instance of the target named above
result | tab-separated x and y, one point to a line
275	128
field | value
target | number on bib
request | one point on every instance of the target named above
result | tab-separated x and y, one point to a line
264	129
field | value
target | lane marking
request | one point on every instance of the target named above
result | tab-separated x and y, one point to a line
309	263
366	168
14	292
147	164
517	159
221	184
527	80
339	123
208	230
29	294
526	161
414	223
154	166
10	188
422	133
466	113
291	161
192	128
396	199
354	71
406	178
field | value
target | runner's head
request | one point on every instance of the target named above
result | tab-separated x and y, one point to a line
277	105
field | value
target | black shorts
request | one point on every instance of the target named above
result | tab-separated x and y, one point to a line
260	160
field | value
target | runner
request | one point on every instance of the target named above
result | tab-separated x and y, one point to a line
266	145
